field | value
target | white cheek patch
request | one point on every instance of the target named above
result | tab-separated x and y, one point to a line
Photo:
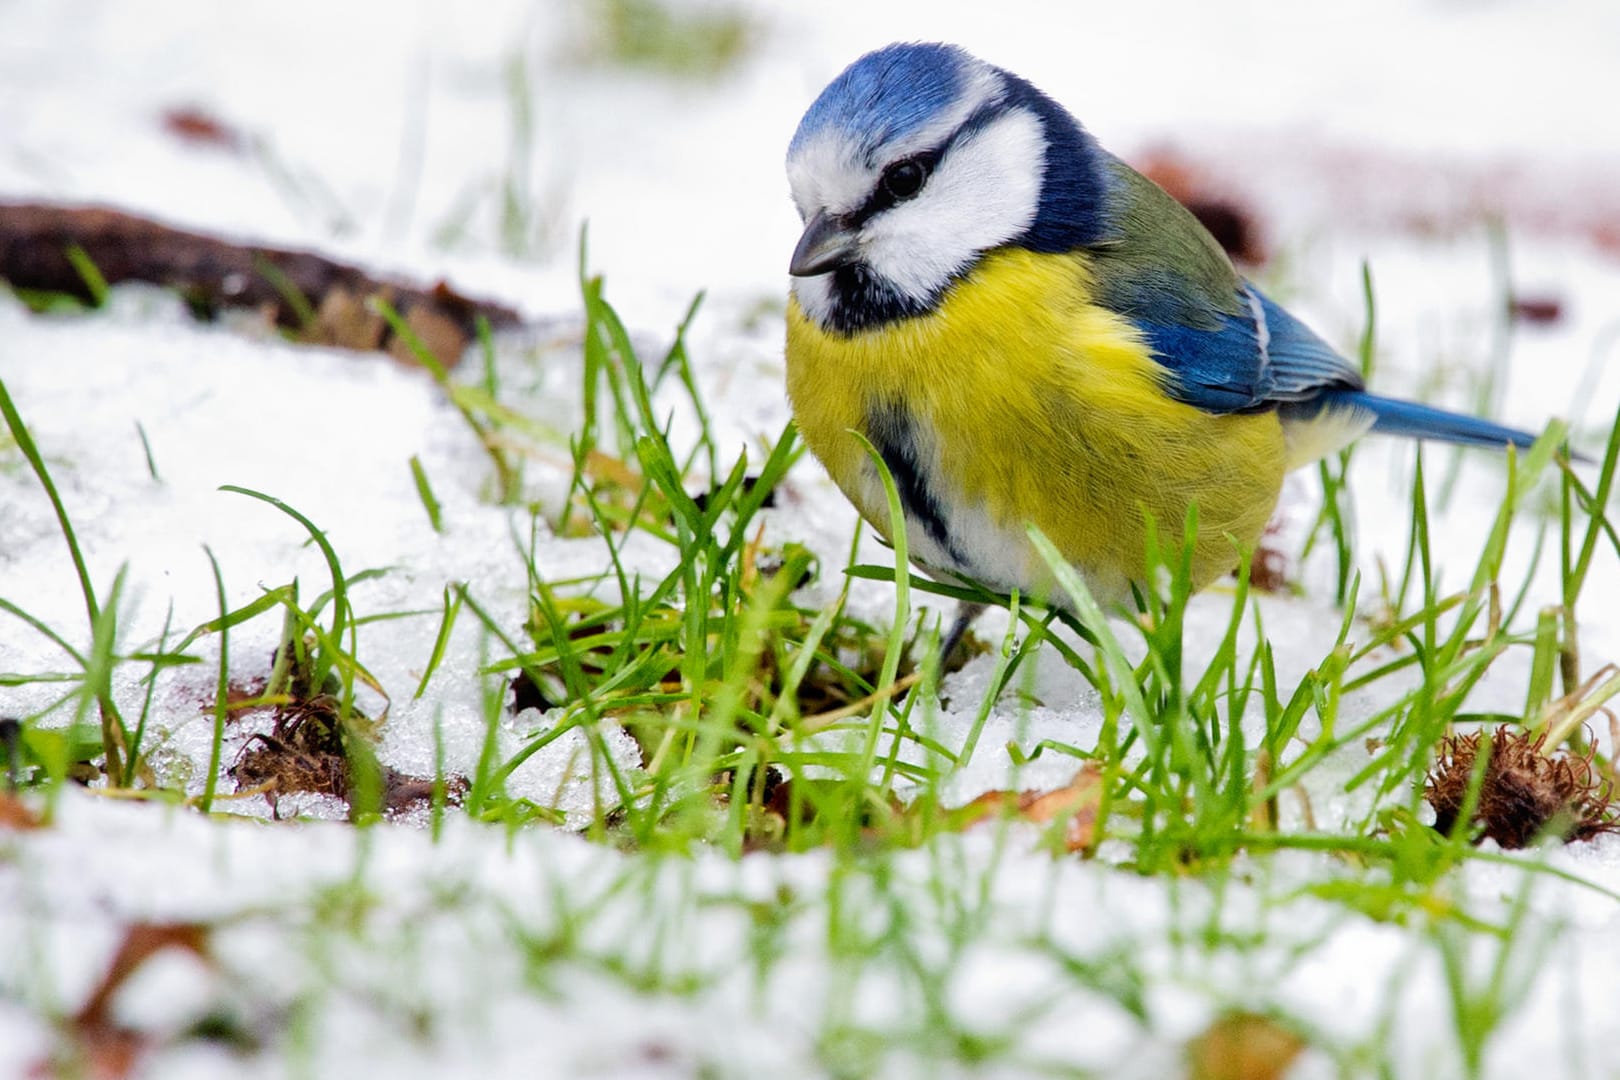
985	192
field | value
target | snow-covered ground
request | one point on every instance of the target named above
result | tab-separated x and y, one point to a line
378	126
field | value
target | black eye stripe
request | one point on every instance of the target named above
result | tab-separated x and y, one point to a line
882	199
885	195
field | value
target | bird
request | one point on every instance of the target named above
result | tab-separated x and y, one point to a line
1027	331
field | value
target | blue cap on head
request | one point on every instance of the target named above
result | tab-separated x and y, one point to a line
887	93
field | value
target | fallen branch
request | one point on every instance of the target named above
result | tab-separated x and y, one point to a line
43	248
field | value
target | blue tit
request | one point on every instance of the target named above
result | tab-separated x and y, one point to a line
1028	331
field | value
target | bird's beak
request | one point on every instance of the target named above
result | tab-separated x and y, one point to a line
828	243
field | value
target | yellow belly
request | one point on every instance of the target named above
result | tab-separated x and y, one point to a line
1042	408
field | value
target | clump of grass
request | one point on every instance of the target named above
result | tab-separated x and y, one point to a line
321	740
734	693
312	749
709	667
94	689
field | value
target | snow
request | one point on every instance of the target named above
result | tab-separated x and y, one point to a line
387	950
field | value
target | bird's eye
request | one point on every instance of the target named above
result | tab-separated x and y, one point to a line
904	179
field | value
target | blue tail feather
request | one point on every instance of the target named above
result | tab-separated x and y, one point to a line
1394	417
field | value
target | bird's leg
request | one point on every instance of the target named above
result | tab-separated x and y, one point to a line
966	612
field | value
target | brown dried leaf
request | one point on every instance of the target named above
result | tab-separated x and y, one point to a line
1270	567
1243	1046
1079	800
192	124
1536	310
100	1048
16	814
102	1054
344	319
438	333
140	942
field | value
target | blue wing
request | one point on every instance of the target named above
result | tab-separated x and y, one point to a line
1266	358
1226	347
1257	357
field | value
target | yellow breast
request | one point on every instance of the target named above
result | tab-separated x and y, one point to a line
1034	405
